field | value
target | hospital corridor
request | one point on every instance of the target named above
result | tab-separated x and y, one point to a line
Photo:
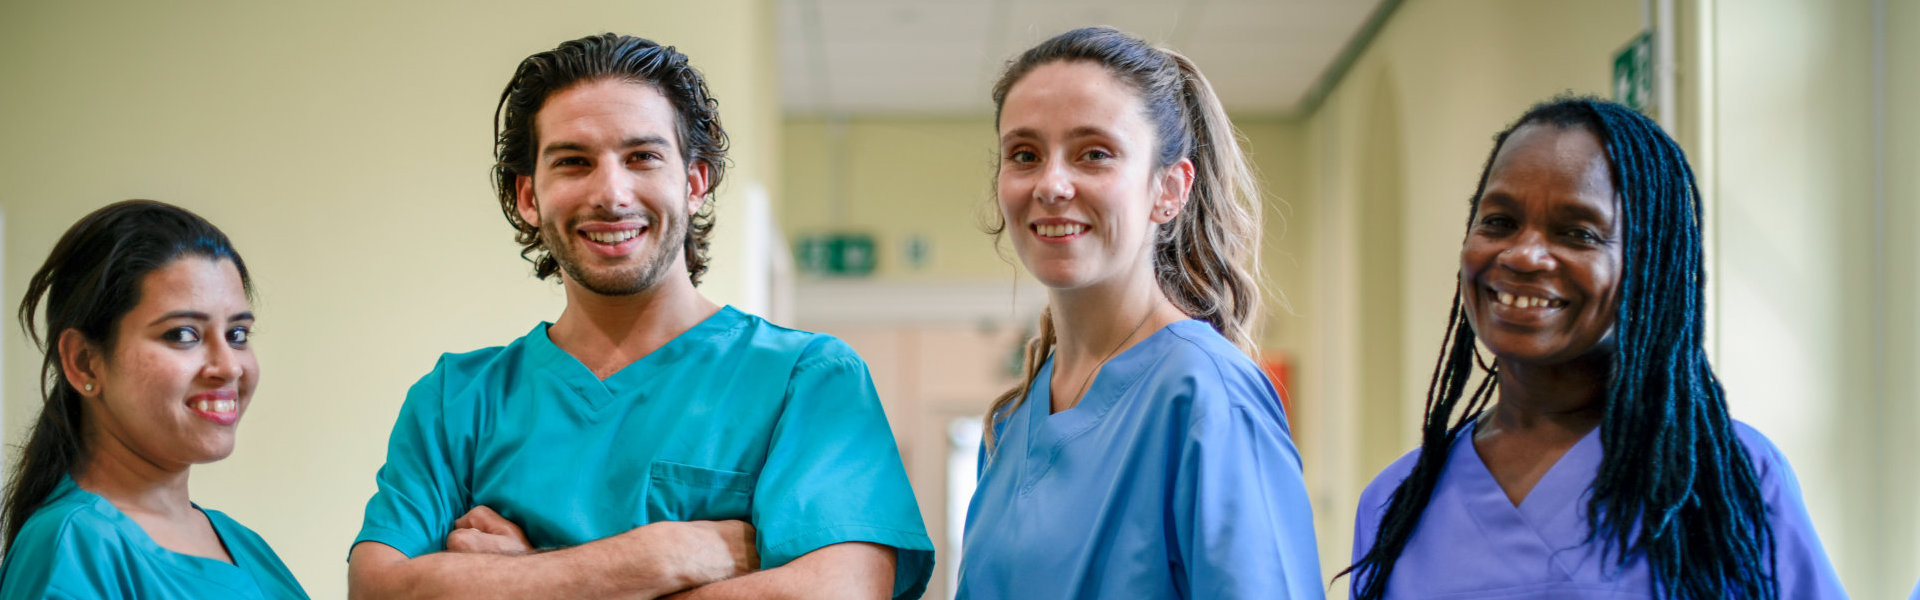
907	177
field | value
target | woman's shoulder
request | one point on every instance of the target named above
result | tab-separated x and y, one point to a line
1194	348
1196	363
1374	497
64	543
71	518
1769	463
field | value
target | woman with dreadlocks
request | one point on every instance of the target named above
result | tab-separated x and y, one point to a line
1606	465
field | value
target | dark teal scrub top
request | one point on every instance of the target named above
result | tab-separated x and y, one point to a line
79	546
736	418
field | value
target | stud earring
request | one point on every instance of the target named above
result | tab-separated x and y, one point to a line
1167	212
89	387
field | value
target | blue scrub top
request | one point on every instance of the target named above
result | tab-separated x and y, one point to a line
1175	477
734	419
1472	542
78	545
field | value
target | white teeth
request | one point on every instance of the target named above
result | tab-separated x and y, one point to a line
613	237
1527	301
216	406
1059	230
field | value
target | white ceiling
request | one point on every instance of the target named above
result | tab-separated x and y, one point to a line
942	56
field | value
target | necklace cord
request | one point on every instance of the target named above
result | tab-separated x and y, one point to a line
1087	383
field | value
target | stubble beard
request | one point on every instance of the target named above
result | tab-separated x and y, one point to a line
616	281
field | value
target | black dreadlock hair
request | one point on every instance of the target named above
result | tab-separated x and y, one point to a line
1672	466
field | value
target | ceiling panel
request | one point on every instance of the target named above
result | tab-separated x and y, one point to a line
940	56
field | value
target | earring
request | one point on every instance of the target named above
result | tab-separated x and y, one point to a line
1167	212
89	387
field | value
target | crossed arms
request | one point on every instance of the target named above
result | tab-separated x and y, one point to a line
488	556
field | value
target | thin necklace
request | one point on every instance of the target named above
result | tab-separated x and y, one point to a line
1088	382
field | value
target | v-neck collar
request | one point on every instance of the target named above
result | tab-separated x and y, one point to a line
630	379
237	573
1554	510
1049	432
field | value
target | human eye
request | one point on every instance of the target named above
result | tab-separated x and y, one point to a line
569	161
646	156
1023	157
238	336
1585	236
1097	155
181	336
1496	221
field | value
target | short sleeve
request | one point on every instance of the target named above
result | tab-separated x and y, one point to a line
65	557
834	475
1241	517
419	493
1800	562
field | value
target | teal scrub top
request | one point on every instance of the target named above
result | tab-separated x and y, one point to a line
78	545
736	418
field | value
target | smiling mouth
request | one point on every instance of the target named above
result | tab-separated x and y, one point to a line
215	406
1058	231
611	237
1526	301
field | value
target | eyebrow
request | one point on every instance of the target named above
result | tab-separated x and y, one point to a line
1580	212
1077	132
195	315
634	142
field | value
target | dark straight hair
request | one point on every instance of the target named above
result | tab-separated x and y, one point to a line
1675	483
88	283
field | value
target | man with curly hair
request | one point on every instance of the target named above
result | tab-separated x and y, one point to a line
648	442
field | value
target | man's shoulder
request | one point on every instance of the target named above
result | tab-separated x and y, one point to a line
470	362
808	347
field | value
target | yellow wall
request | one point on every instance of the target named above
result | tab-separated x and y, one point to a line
894	178
1901	493
344	146
1815	310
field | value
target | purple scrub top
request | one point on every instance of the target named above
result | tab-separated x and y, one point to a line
1472	542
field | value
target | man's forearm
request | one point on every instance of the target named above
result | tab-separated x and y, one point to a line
846	570
621	566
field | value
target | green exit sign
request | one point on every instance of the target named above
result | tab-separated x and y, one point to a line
1633	73
835	254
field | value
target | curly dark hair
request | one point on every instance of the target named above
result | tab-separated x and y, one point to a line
593	58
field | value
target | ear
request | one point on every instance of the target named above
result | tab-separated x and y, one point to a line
697	185
1172	187
524	201
81	362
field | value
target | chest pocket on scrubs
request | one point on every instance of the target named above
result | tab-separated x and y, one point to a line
677	492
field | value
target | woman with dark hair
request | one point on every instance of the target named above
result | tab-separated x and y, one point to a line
1144	454
146	372
1607	465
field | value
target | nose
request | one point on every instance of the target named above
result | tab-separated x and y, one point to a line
1055	184
1528	253
223	362
613	187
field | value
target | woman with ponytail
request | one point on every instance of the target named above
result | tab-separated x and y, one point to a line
146	372
1144	455
1595	457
